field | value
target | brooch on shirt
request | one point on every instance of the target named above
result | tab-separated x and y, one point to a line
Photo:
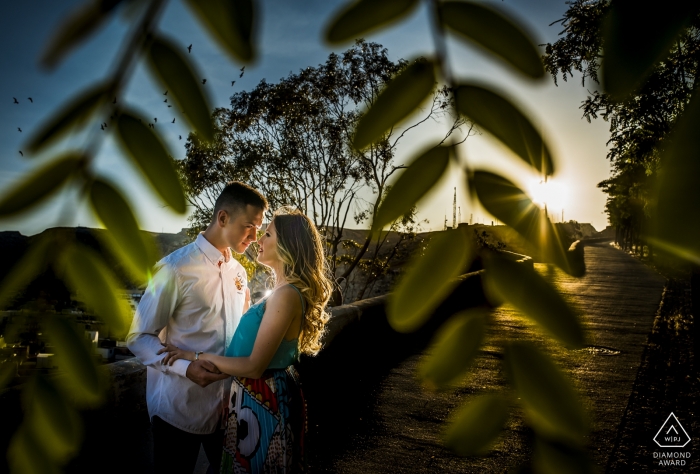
238	281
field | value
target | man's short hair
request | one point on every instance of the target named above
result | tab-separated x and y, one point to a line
236	196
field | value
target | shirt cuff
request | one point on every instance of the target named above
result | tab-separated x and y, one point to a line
179	367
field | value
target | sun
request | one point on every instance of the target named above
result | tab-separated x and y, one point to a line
552	193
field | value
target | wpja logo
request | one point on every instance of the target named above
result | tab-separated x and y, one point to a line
672	435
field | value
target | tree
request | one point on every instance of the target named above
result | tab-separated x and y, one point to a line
639	123
292	140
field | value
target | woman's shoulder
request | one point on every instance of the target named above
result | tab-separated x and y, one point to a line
286	295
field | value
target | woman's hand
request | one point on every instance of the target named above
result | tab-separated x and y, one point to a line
174	353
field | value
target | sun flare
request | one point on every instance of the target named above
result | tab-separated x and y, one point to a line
553	194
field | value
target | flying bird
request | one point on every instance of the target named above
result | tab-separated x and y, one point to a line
169	105
232	83
19	129
20	152
204	81
105	124
30	100
180	137
155	119
189	49
165	100
241	75
165	93
16	102
102	127
173	120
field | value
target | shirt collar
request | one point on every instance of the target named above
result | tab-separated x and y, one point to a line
211	252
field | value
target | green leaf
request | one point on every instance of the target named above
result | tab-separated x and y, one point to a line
126	239
676	213
25	455
453	348
32	263
52	419
475	426
91	279
525	289
397	101
75	357
178	77
8	371
429	279
41	184
420	176
552	406
556	458
508	203
636	39
495	32
75	113
150	155
84	21
498	116
361	17
231	23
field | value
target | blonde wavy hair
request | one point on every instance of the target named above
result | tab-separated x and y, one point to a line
300	248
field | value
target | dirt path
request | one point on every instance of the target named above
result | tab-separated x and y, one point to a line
618	298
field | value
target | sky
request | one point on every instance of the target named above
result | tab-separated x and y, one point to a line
290	38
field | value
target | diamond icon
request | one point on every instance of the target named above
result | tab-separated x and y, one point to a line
672	434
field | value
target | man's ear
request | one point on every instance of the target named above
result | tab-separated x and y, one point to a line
222	218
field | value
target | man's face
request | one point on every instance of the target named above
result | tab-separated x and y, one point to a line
241	227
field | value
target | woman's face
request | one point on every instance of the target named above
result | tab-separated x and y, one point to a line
267	247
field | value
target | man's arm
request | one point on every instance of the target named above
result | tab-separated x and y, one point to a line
153	313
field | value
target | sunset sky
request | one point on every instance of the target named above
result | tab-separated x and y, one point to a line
290	38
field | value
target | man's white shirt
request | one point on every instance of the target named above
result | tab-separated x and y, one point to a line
195	302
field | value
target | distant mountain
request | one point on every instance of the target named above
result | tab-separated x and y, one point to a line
47	287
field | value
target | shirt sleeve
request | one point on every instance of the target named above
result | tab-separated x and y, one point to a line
152	315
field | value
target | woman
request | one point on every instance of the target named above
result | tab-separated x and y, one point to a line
267	415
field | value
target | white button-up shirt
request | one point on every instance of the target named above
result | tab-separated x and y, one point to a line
194	301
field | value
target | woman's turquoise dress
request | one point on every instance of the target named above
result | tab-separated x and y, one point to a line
266	420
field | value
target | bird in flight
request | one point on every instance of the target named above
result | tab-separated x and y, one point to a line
20	152
102	127
232	83
166	100
30	100
189	49
204	81
16	102
105	124
173	120
169	105
165	93
19	129
242	71
179	137
155	119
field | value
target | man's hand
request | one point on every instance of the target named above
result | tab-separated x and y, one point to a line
203	372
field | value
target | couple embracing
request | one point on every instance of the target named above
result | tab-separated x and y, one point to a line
220	371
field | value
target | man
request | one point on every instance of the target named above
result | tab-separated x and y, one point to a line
195	301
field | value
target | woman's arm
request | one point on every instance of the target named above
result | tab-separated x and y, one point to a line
282	307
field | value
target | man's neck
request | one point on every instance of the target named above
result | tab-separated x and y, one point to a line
213	238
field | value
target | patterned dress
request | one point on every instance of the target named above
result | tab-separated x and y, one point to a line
266	420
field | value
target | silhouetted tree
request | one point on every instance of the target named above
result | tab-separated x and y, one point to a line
640	123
